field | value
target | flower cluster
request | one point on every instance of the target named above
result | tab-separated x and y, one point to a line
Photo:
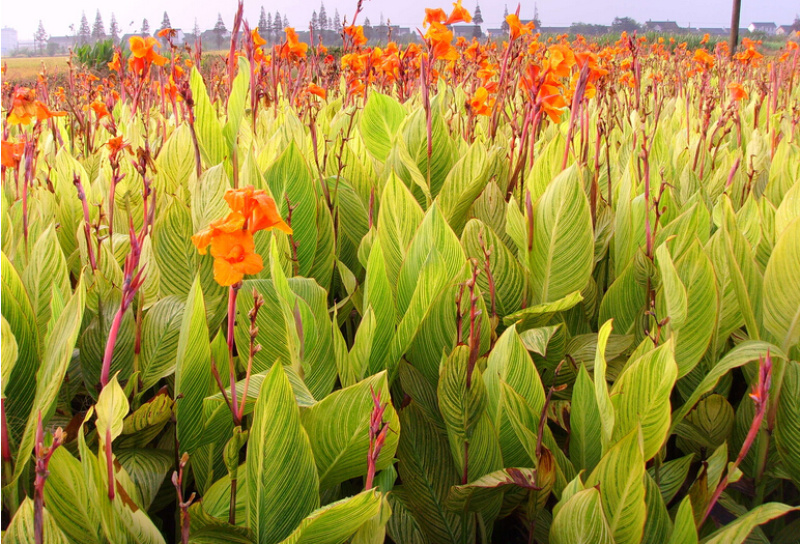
231	238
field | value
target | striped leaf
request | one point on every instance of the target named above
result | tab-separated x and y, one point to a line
57	355
562	255
147	468
671	476
46	272
335	523
379	297
398	220
9	351
737	531
581	521
67	497
641	397
463	184
207	125
161	328
208	197
782	296
585	444
175	162
684	531
284	486
21	386
787	423
172	245
338	428
193	380
22	527
380	120
604	403
620	478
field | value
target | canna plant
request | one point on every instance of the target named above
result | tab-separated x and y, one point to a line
539	290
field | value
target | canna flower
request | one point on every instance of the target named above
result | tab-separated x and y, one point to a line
434	15
258	41
143	54
293	48
561	60
516	28
356	34
23	106
459	15
167	33
480	103
114	65
441	42
258	209
232	223
316	90
12	153
704	59
99	109
234	256
737	92
43	113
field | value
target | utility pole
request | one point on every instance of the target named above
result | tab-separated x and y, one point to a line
737	10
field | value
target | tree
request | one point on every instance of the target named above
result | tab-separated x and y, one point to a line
113	29
477	17
337	21
796	24
536	21
277	25
624	24
98	29
324	22
196	29
504	27
219	30
382	21
84	32
262	21
40	38
145	27
165	22
314	21
285	21
268	32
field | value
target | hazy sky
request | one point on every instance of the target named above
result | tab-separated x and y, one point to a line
57	15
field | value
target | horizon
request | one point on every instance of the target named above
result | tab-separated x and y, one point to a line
713	14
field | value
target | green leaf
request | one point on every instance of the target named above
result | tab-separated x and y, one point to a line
657	526
173	248
398	220
478	495
46	273
604	403
147	468
684	531
175	161
336	522
161	328
207	125
585	444
379	297
463	184
208	197
539	314
21	385
427	471
284	486
781	295
787	422
671	476
562	256
641	396
237	101
581	521
672	289
21	529
511	364
56	359
289	178
737	531
620	477
67	499
10	352
338	428
380	121
193	380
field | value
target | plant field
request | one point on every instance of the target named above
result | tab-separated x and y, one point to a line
526	291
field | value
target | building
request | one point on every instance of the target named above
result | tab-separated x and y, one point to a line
766	28
9	41
61	44
558	30
668	27
467	31
785	30
713	31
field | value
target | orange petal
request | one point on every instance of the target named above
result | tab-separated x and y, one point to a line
202	239
225	274
252	264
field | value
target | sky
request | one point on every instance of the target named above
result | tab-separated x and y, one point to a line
57	15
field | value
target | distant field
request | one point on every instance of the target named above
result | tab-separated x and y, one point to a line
26	69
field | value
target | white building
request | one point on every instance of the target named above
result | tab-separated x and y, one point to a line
8	41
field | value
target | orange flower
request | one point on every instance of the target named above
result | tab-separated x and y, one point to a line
258	41
116	144
293	47
144	54
356	33
234	256
12	153
434	15
258	209
459	15
441	40
516	28
23	107
99	109
43	113
561	60
704	59
737	91
316	90
114	65
166	33
480	103
551	100
232	223
705	39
